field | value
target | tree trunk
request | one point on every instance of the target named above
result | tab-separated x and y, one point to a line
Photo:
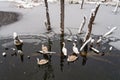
62	16
96	10
82	4
92	18
87	36
47	16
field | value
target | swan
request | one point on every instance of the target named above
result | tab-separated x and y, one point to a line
20	52
42	61
72	58
17	41
75	49
44	48
64	50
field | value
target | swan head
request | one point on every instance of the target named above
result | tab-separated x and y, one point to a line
63	43
15	35
74	44
43	45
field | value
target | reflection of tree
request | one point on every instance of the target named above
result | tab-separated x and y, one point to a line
61	55
22	58
84	60
49	47
84	56
49	74
19	48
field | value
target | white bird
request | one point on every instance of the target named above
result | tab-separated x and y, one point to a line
15	35
4	54
75	49
17	41
44	48
42	61
64	50
20	52
111	48
72	58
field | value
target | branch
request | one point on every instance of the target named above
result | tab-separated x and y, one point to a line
85	44
106	34
82	25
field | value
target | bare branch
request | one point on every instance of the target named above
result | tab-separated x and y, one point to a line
106	34
82	25
85	44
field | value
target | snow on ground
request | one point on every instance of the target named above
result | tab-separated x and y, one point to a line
32	20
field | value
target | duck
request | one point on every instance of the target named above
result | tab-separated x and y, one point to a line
17	40
75	49
42	61
64	50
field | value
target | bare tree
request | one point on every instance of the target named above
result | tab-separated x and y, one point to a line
96	10
92	18
82	4
87	36
47	16
62	16
116	7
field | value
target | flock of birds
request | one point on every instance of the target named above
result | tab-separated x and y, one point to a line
18	42
70	58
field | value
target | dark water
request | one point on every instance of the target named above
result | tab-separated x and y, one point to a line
90	67
102	66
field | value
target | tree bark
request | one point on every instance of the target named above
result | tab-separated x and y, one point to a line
96	10
47	16
87	36
62	16
82	4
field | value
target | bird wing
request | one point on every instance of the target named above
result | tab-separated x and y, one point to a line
75	50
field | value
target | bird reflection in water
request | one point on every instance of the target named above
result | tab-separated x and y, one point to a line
48	71
20	52
62	57
84	55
